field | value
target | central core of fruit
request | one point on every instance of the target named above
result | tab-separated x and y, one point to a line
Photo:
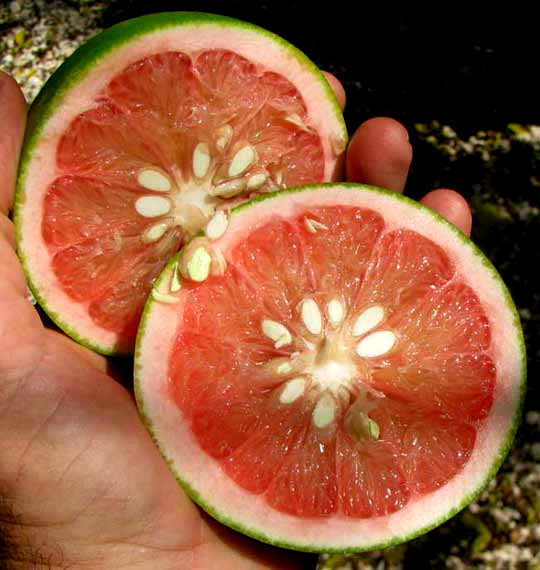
217	174
220	169
333	375
333	365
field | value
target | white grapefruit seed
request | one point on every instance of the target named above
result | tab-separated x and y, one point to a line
376	344
311	316
154	180
156	231
277	332
368	320
201	160
293	390
153	206
217	225
224	136
335	312
324	411
256	181
242	160
198	265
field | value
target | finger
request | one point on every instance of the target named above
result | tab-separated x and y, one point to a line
338	89
380	154
12	121
452	206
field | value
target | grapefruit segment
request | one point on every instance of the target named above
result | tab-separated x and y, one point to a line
119	306
460	384
371	482
162	88
443	358
88	263
403	268
453	313
223	419
342	263
309	470
159	122
275	436
228	76
107	144
435	452
352	377
276	292
68	220
430	447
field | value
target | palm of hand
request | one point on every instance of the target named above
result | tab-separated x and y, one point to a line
79	460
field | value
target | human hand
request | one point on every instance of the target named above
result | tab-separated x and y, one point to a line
81	482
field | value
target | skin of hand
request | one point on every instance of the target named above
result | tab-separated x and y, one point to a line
81	483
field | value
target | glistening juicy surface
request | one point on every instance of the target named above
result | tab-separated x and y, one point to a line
337	368
172	138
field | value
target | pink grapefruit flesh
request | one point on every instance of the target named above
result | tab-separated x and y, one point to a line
192	114
352	378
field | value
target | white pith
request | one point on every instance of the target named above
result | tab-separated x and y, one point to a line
229	501
195	205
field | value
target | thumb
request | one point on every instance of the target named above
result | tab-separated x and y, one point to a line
20	327
12	124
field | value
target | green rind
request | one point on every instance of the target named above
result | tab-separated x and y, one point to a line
75	68
320	548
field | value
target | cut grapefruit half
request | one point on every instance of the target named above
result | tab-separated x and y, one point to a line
139	138
351	377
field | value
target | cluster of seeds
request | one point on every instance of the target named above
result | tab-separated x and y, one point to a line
333	342
204	196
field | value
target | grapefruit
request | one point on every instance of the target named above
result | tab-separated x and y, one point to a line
137	140
349	377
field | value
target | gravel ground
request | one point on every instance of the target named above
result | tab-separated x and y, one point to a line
496	170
